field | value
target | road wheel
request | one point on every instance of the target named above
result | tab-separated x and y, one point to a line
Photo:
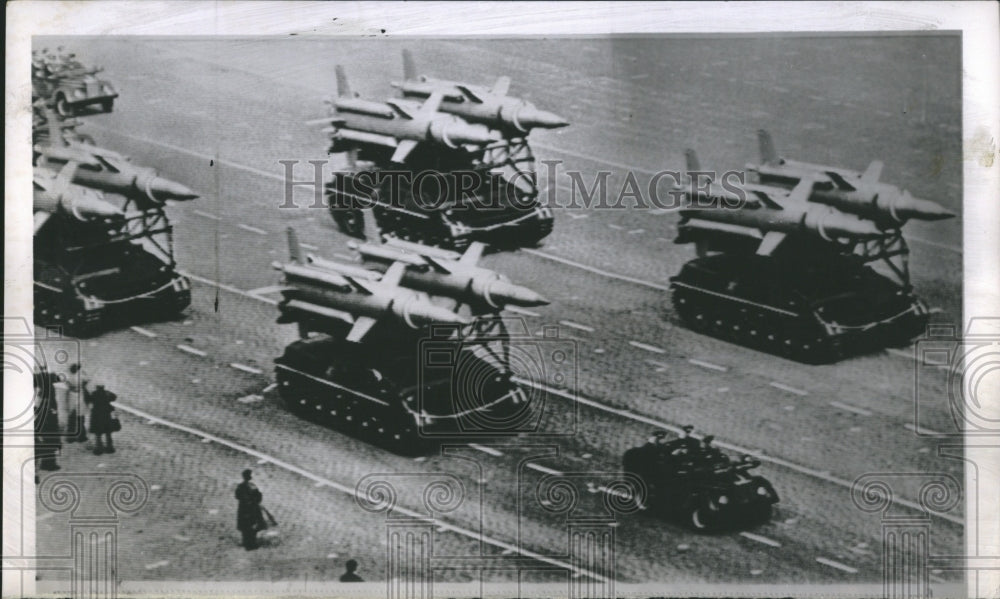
350	222
62	106
700	520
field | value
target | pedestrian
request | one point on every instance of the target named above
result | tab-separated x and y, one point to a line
102	420
249	516
47	441
77	381
349	575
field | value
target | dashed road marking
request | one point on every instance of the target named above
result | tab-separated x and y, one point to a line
784	387
319	483
837	565
252	229
577	216
543	469
206	440
636	231
144	332
182	538
522	311
708	365
191	350
576	325
647	347
849	408
485	449
246	368
615	227
207	215
159	564
760	539
270	387
353	492
660	366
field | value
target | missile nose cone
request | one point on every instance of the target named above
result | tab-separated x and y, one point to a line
921	209
531	117
165	189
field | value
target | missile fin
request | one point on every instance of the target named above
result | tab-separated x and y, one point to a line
802	191
371	230
839	180
766	199
294	249
469	93
436	265
63	179
770	243
473	253
409	66
873	173
343	88
691	159
362	325
768	155
431	105
41	217
394	275
501	87
403	150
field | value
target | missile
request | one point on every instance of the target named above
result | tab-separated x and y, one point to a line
490	106
425	270
54	193
777	217
855	192
365	298
399	124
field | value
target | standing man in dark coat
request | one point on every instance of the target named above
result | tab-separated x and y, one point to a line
249	516
100	418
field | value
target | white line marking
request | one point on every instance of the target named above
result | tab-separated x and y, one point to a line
596	271
192	351
270	387
252	229
207	215
576	325
578	216
350	490
522	311
263	461
652	348
724	445
923	431
837	565
158	564
144	332
636	231
944	246
848	408
309	246
229	288
784	387
660	366
246	368
760	539
543	469
615	227
909	355
484	449
709	365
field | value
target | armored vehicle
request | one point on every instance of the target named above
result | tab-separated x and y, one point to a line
691	481
73	87
92	275
381	358
810	310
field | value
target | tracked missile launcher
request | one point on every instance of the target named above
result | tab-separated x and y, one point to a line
103	244
434	173
780	271
382	359
95	275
